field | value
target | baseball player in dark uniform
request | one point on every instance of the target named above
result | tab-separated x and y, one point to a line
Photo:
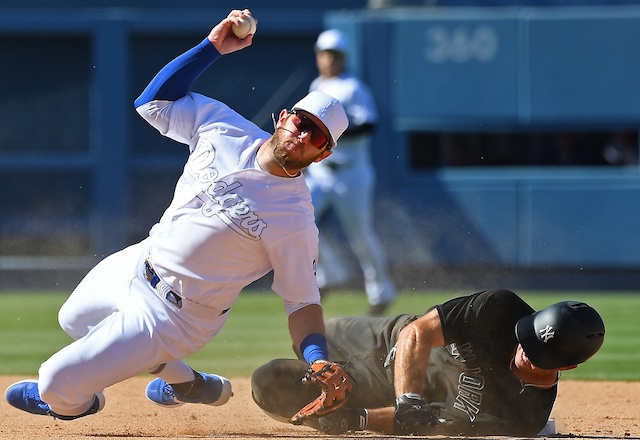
483	364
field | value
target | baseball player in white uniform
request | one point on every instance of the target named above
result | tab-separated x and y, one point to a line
240	210
346	180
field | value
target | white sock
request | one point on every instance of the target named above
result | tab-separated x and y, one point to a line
176	372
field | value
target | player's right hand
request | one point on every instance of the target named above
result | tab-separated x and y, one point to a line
222	37
412	410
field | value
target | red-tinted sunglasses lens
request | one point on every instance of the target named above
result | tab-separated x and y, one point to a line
302	123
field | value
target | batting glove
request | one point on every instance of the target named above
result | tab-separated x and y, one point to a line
412	410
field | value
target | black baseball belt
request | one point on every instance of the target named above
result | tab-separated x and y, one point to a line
163	288
153	279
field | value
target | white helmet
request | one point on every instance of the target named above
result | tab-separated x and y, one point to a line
327	112
333	39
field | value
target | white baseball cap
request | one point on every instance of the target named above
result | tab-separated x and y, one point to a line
327	112
333	39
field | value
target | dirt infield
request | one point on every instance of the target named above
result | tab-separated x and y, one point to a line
583	409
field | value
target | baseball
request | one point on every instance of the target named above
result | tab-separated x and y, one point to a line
247	26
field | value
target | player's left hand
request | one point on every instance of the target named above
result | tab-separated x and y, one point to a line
222	37
335	385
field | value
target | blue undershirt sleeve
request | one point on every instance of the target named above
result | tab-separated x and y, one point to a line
176	78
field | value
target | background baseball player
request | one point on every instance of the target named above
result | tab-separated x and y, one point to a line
345	181
240	209
484	364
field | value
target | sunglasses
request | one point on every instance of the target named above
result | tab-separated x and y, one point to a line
304	124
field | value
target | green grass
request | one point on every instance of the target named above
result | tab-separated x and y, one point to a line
257	330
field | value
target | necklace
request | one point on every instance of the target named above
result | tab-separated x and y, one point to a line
288	173
282	166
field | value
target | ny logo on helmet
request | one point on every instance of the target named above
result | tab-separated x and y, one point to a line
547	333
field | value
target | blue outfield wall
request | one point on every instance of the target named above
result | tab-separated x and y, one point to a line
431	69
527	218
511	70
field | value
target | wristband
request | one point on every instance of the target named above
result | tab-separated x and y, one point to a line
363	420
314	347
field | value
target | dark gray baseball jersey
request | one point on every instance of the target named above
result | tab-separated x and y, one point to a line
469	380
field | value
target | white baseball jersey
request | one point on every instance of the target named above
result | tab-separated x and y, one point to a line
229	222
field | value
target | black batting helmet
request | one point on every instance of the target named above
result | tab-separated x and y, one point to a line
566	333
